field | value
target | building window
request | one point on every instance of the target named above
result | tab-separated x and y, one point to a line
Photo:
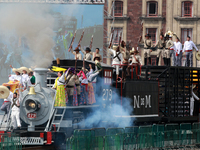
118	8
153	33
116	35
187	9
152	8
184	33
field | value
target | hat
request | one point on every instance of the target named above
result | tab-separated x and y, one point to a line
147	35
167	35
5	92
84	69
170	36
115	47
132	51
96	56
16	70
87	49
77	49
24	68
30	70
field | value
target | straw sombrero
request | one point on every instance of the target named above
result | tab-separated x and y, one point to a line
24	68
16	70
4	92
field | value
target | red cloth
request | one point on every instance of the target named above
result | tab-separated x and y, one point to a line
188	50
85	85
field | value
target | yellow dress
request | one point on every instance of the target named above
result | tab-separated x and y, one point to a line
60	100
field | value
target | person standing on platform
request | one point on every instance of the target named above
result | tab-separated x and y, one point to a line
117	58
7	102
87	53
178	57
98	54
15	115
188	49
160	47
70	82
31	80
136	61
60	100
168	44
125	55
172	52
25	77
77	54
148	43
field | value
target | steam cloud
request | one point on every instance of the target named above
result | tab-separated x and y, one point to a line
111	115
36	24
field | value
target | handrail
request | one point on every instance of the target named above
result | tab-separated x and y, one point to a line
163	72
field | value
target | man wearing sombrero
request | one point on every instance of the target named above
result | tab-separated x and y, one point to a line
70	82
77	54
87	53
160	48
148	43
135	60
25	77
168	44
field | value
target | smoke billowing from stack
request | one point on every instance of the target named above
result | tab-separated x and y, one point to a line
35	24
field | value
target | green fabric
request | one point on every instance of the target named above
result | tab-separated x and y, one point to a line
32	79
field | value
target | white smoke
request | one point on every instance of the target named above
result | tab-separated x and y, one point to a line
35	24
113	115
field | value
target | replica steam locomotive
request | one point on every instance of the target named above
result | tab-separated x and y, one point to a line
162	94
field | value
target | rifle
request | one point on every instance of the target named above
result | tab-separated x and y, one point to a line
72	41
111	39
81	38
141	33
91	42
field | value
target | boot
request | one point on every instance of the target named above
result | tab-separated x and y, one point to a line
165	63
79	99
157	61
145	61
149	60
169	62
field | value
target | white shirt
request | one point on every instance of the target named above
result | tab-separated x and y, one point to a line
116	60
134	60
188	45
25	79
173	47
10	97
15	77
178	46
15	107
61	80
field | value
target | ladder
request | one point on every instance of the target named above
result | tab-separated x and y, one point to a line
8	124
54	115
58	112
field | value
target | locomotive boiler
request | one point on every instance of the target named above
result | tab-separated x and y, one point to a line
37	101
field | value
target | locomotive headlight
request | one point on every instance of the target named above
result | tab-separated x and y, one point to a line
32	105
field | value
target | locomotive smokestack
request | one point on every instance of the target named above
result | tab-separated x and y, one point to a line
41	76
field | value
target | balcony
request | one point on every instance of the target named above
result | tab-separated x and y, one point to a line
178	18
152	18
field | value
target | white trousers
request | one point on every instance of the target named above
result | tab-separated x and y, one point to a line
15	118
191	106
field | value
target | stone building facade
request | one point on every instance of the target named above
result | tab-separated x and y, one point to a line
179	16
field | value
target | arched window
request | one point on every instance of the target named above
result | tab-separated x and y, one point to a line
152	8
187	9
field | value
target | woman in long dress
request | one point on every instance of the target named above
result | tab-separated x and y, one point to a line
61	95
